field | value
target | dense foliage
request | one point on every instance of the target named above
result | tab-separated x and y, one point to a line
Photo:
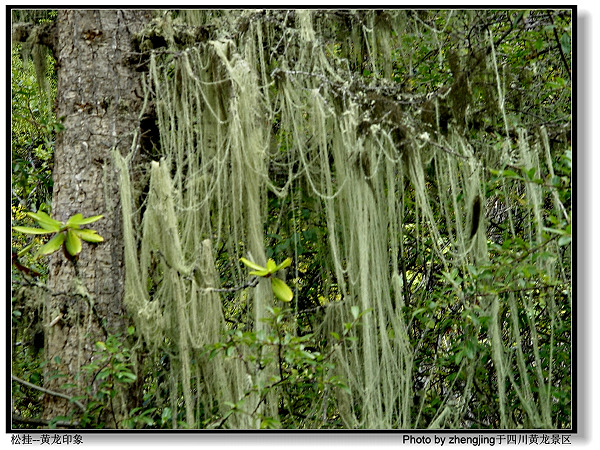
489	334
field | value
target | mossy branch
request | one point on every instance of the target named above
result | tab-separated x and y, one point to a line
42	34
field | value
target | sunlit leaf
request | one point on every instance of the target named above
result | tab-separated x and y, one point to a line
74	220
73	243
89	235
251	264
281	290
286	263
52	245
78	219
30	230
45	221
24	250
271	266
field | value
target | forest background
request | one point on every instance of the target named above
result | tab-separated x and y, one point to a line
306	353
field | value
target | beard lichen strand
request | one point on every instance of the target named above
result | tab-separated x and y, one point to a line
238	145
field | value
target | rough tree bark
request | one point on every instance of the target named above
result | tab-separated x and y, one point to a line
99	95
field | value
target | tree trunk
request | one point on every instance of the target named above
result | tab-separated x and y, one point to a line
99	95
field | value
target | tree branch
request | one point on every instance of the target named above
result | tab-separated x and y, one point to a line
43	34
48	391
559	45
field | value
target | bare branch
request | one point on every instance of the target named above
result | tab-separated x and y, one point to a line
48	391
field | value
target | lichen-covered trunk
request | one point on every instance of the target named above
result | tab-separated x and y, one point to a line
99	95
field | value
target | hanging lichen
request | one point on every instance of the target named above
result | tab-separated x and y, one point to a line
264	107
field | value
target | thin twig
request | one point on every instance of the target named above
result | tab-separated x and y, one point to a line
252	283
447	150
48	391
559	45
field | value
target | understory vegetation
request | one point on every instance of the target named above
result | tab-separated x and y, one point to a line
414	166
